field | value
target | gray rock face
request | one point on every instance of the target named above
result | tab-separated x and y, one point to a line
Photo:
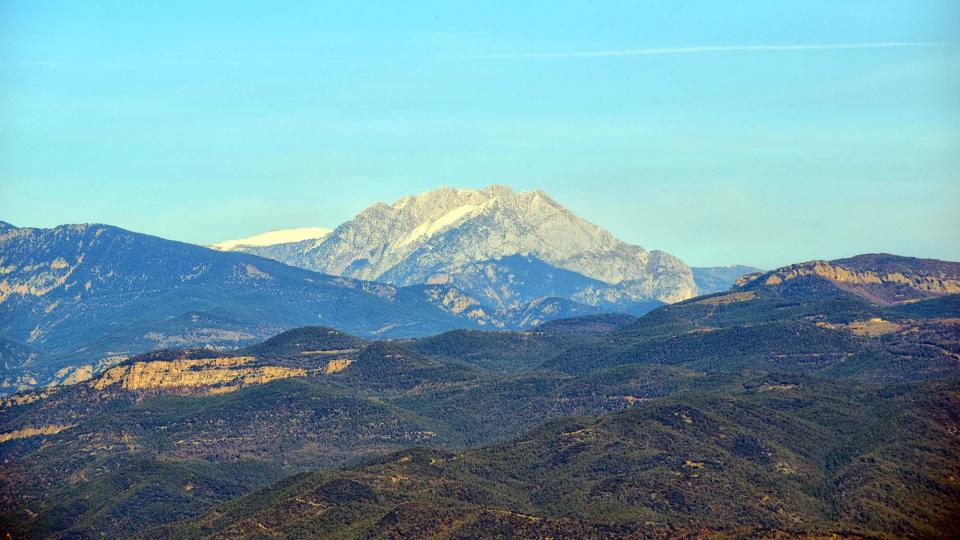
292	253
438	235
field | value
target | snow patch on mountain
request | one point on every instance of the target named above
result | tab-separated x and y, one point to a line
442	236
272	238
431	227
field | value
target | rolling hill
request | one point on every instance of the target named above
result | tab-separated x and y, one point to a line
807	458
786	321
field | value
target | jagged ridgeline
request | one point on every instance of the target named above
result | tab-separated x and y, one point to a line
800	403
501	247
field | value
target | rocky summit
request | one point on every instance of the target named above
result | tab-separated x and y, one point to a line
448	236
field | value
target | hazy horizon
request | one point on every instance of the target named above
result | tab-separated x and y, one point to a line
597	222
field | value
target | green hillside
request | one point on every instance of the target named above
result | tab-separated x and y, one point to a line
805	457
781	410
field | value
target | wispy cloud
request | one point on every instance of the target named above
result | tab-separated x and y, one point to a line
651	51
700	49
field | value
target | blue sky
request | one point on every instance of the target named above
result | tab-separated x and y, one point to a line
214	121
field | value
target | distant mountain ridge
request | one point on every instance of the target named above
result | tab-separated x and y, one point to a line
77	299
713	279
81	295
483	241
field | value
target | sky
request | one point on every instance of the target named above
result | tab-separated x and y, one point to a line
724	132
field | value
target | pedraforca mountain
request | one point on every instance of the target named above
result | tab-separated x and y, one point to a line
442	235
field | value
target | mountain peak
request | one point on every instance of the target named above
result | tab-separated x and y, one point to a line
498	190
448	193
443	231
447	233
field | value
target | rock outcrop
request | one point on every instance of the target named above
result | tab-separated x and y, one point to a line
880	278
211	375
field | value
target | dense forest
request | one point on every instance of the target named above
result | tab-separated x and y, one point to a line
744	413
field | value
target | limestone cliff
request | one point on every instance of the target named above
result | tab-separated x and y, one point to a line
879	278
212	375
